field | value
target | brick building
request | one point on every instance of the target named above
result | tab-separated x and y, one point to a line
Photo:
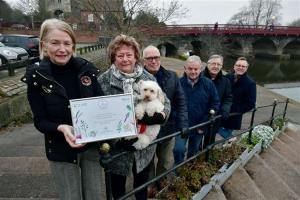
82	16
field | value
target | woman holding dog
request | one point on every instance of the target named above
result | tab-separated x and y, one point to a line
59	77
122	77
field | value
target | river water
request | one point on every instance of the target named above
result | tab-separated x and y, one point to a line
270	72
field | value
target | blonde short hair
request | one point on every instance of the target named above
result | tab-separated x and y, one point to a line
52	24
121	40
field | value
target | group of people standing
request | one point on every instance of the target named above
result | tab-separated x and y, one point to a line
61	76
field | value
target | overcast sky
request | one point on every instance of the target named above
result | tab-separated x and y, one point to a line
211	11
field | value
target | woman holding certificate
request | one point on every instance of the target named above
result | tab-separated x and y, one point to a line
59	77
122	77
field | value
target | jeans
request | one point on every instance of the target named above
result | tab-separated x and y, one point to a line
79	181
225	132
195	140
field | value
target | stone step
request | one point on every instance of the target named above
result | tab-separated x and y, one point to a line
215	194
19	151
24	165
291	142
287	152
293	134
26	135
268	182
283	168
27	186
241	186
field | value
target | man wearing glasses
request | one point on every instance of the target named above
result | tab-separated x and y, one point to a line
213	71
244	96
169	83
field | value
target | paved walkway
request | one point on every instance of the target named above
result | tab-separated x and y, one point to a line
24	170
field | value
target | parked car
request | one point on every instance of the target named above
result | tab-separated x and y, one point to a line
8	54
28	42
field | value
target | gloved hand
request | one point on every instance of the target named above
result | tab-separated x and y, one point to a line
157	118
184	133
126	144
225	115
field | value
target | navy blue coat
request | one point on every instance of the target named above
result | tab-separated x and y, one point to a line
50	104
244	99
170	84
200	98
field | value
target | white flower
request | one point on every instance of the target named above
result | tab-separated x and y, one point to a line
265	133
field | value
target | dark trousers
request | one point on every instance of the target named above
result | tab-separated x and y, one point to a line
118	183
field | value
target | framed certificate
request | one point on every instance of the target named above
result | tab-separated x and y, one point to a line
102	118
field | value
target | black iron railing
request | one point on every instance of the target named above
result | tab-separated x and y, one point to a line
12	66
106	156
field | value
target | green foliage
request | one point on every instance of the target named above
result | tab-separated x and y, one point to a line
244	141
192	176
278	123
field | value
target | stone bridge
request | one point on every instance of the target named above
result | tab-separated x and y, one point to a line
279	42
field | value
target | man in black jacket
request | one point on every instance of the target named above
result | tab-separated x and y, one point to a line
178	119
243	96
213	71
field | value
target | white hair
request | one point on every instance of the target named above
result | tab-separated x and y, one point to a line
215	56
194	58
150	47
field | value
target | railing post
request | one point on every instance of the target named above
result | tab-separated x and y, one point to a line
11	69
210	131
105	159
251	126
285	108
273	112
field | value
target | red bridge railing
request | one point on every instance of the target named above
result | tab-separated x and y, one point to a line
221	29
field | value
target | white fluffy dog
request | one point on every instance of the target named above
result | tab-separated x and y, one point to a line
150	100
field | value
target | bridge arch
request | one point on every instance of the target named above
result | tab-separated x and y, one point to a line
264	47
199	48
293	49
167	49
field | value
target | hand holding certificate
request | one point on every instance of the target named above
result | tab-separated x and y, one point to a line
102	118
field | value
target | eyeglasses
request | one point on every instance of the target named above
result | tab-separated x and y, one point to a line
156	58
243	66
214	63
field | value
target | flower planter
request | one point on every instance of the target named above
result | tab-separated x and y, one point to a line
226	171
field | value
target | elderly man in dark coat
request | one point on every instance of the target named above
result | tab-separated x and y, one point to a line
244	96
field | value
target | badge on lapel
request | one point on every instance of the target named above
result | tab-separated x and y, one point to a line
86	80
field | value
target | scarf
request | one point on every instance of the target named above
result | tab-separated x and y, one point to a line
128	80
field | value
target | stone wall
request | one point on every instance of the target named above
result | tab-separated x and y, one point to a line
13	98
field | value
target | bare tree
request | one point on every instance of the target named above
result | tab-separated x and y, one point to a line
28	7
295	23
121	13
259	12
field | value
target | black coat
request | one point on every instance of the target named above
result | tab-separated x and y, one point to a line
178	118
244	99
50	104
223	87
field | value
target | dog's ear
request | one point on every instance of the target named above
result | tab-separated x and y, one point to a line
140	83
160	95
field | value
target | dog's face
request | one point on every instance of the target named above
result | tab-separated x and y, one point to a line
150	90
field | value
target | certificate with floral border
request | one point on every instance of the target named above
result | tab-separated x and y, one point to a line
102	118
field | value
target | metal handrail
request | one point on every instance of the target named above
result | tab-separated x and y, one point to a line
106	158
